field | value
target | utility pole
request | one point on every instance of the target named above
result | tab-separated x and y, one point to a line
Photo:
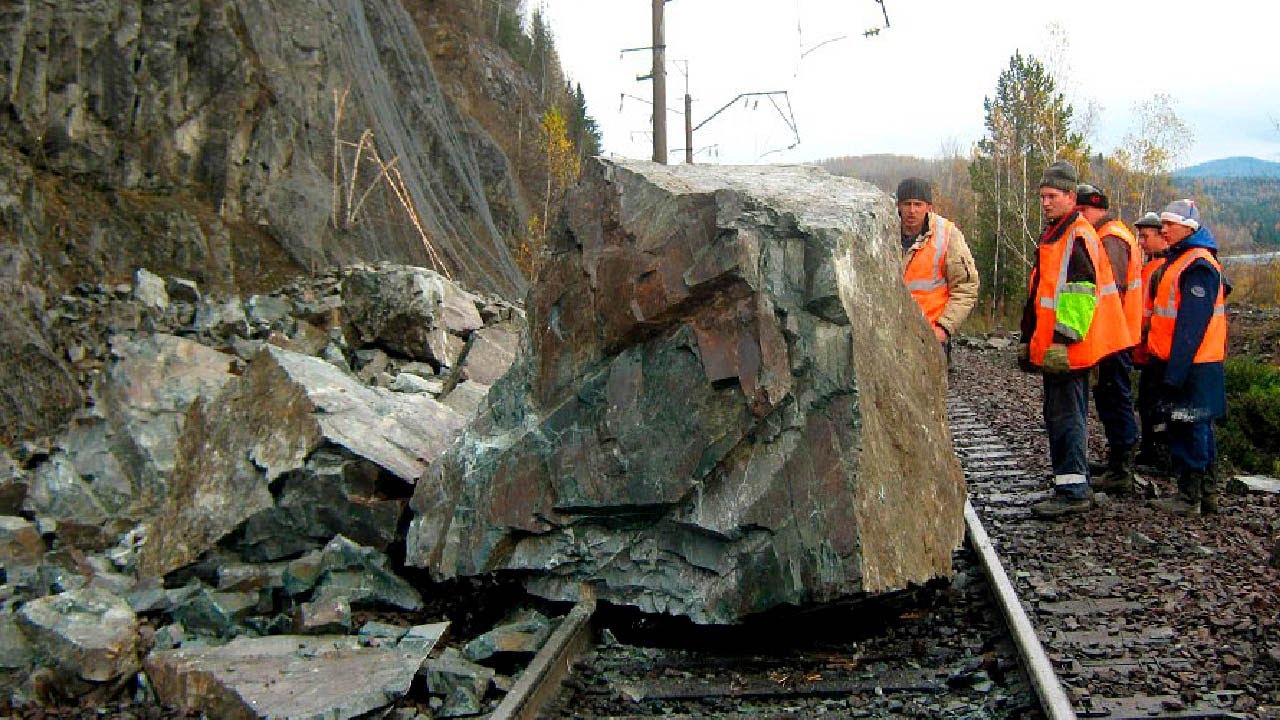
659	84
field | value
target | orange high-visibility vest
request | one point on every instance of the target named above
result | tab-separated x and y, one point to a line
1140	353
1131	284
926	274
1164	312
1108	332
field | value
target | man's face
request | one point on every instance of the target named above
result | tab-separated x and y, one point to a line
913	213
1093	215
1056	204
1173	232
1151	240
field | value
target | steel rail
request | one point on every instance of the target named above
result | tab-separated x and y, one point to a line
1053	698
542	678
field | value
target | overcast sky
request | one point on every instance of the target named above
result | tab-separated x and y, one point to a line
918	86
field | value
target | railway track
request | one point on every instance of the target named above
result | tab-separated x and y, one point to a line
1076	628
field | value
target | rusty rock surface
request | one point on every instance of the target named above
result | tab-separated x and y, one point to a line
727	402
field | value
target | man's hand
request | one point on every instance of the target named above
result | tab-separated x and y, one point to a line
1055	360
1024	359
941	333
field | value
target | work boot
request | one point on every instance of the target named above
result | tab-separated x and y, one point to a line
1209	483
1118	477
1186	502
1152	461
1060	506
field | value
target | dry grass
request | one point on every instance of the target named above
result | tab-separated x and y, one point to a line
1255	284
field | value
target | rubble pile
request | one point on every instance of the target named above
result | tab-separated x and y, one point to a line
219	525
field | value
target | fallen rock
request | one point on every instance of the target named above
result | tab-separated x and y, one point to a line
286	676
728	402
520	636
149	289
20	543
461	682
1245	484
268	422
411	311
88	633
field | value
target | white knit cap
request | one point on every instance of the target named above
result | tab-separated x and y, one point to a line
1182	212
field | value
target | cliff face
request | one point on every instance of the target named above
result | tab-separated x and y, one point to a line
236	142
258	110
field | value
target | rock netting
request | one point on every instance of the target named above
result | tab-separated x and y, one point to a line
240	472
728	402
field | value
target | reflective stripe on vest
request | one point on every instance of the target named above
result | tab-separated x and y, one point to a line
925	273
1132	281
1164	311
1108	333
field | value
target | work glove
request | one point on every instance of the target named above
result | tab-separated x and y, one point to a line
1024	359
941	333
1055	360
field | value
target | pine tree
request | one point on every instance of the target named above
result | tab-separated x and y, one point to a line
582	127
1028	127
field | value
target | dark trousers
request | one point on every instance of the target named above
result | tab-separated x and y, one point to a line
1113	397
1191	446
1066	412
1153	416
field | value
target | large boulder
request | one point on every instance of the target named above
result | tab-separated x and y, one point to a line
727	402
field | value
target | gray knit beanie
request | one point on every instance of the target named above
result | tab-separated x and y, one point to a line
1062	176
1150	220
914	188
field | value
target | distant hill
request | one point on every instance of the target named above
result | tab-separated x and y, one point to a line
1232	167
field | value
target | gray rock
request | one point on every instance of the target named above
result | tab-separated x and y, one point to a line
216	614
267	423
333	494
466	398
267	310
1245	484
283	677
359	575
410	383
88	633
724	388
323	617
149	289
461	682
183	290
424	636
411	311
521	636
221	318
493	349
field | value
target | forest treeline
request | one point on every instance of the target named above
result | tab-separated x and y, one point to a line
991	190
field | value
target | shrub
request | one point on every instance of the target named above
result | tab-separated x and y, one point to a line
1249	435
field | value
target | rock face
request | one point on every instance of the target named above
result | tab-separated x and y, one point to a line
212	121
728	402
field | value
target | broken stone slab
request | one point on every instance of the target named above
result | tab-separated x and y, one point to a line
359	575
88	633
459	681
285	677
220	317
424	636
325	617
728	402
13	485
150	383
267	423
267	311
216	614
411	311
409	383
149	289
1245	484
493	349
518	636
466	398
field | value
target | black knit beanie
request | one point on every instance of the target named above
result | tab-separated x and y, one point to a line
914	188
1062	176
1089	196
